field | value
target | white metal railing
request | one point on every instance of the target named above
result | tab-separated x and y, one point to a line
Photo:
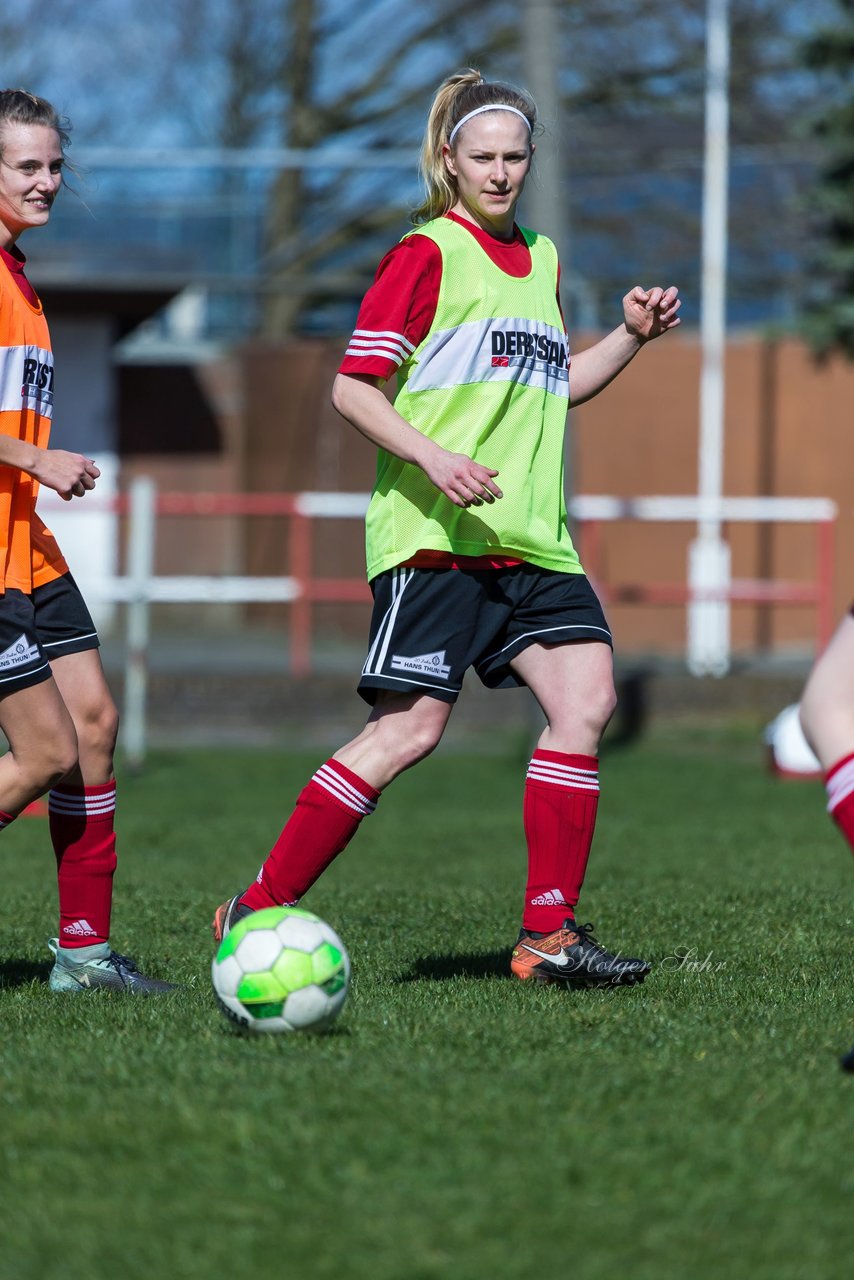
141	587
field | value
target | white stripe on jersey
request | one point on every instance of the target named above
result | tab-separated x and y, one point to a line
391	356
26	379
840	786
563	775
337	786
379	342
399	338
377	655
473	352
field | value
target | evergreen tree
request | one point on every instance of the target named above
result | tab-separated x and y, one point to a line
829	312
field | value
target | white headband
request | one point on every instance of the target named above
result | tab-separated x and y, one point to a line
490	106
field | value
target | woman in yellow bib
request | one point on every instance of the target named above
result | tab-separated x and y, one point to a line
469	555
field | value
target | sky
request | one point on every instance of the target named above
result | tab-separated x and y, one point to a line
150	76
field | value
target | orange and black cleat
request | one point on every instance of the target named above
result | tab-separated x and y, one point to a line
573	956
226	917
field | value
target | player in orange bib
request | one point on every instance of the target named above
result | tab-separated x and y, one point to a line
55	708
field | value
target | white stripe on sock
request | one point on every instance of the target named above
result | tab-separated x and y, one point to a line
840	786
342	790
66	803
563	775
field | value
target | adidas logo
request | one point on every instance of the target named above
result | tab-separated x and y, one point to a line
18	653
551	898
80	929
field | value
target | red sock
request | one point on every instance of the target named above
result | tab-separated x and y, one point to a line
81	828
327	814
6	818
839	781
561	798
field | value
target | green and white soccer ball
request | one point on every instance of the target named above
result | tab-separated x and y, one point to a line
281	969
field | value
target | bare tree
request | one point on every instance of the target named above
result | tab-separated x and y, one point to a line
324	75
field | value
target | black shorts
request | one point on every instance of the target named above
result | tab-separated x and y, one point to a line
430	625
50	623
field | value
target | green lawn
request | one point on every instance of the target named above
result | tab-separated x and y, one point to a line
456	1123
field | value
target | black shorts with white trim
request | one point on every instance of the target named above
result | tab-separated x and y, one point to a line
50	623
430	625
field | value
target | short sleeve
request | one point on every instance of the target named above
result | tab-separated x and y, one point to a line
398	309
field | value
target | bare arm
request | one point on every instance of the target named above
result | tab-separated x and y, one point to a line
68	474
647	313
361	401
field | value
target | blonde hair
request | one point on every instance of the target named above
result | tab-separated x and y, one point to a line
455	98
19	107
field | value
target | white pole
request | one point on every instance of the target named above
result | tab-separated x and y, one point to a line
543	204
709	557
141	533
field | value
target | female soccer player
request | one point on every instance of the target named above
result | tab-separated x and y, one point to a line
827	718
469	556
55	708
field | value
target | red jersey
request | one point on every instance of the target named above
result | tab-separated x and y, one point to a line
15	261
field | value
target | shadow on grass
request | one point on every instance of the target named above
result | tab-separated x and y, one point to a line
483	964
20	973
234	1031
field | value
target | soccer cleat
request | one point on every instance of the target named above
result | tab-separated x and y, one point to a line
227	915
572	955
847	1062
110	972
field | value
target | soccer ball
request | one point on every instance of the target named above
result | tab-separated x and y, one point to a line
789	753
281	969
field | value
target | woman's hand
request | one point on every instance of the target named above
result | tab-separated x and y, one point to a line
68	474
650	312
462	480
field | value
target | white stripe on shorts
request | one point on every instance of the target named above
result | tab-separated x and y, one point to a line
53	644
543	631
22	674
401	579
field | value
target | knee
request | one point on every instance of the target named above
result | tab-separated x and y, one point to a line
400	732
59	758
416	745
601	705
109	729
397	745
98	728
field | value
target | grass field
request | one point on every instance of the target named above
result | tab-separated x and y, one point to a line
456	1123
